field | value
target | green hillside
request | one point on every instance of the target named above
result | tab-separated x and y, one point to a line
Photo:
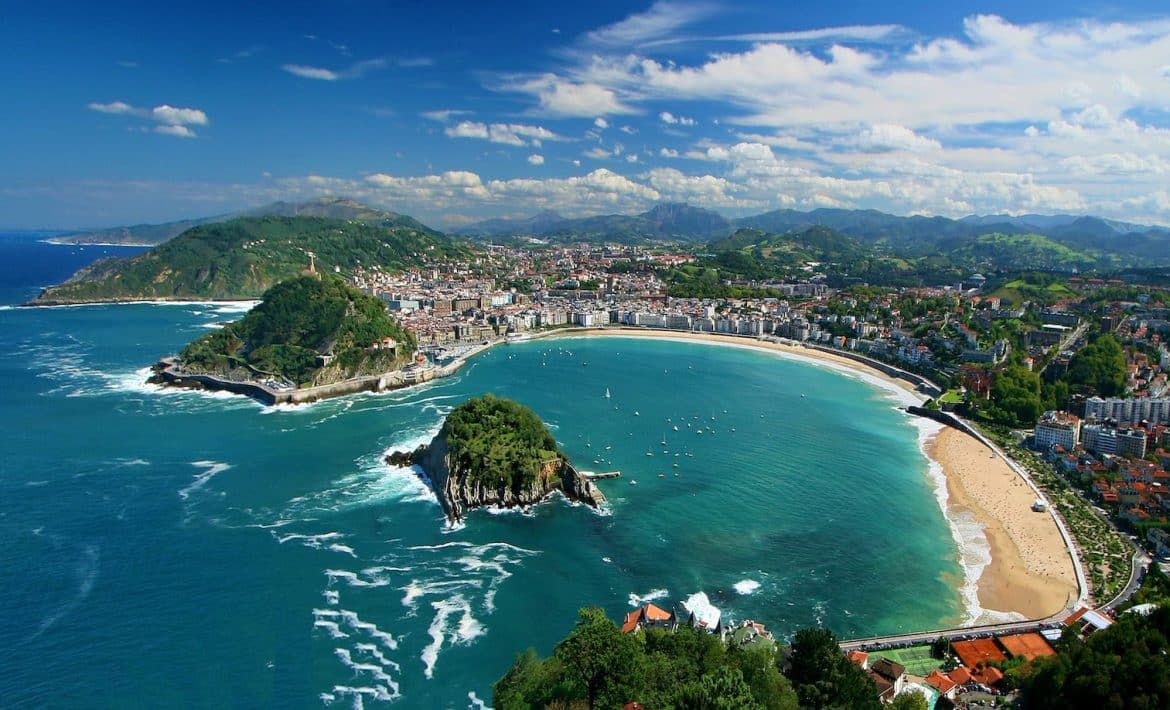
299	321
997	250
243	258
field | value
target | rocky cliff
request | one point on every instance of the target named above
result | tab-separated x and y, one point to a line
459	491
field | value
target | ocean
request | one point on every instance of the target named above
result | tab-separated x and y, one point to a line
188	549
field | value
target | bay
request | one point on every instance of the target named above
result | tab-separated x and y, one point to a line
198	550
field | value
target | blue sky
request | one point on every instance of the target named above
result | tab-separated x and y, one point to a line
129	112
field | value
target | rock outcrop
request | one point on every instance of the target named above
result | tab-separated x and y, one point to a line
458	491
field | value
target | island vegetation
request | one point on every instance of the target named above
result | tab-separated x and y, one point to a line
243	258
307	330
499	442
494	451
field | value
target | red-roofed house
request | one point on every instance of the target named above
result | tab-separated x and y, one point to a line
944	685
648	615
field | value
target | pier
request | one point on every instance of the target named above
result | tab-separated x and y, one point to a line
590	475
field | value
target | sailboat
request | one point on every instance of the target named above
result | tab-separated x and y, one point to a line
607	395
663	442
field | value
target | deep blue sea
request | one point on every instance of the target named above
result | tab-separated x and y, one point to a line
179	549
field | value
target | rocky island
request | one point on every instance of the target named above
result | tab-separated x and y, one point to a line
492	451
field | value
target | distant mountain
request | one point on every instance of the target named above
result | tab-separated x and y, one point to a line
668	221
330	207
242	258
537	224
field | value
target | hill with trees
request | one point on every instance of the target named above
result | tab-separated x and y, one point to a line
307	330
243	258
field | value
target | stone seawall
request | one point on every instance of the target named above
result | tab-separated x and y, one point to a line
172	376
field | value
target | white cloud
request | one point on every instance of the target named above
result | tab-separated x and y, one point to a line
353	71
536	159
631	157
662	19
306	72
668	153
174	121
571	99
443	115
601	123
175	130
598	153
516	134
887	136
670	119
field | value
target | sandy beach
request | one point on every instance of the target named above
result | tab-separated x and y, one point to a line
1030	572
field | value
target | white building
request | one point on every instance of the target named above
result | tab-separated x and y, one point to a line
1155	410
1058	429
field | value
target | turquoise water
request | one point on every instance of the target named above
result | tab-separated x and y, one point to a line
186	549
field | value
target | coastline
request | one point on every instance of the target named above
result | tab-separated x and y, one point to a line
810	355
1026	570
1015	562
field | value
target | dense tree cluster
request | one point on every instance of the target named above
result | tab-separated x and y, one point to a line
299	320
597	666
1099	367
500	443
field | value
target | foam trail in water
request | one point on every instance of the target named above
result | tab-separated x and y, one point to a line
87	572
210	469
640	599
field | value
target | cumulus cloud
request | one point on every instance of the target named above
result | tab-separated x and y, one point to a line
516	134
668	153
601	123
536	159
571	99
672	119
173	121
887	137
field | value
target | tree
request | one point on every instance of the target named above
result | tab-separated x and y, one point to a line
824	678
910	700
1099	366
601	659
722	689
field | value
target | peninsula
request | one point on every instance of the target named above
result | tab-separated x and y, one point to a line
311	333
493	451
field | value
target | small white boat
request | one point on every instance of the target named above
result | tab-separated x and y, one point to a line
607	395
676	427
633	482
636	413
